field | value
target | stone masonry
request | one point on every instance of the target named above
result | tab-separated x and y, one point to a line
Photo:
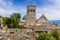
33	27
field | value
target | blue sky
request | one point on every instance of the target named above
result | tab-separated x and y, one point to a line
50	8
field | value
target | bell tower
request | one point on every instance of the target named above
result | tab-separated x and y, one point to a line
31	16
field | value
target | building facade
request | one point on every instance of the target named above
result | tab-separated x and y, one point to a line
33	27
41	24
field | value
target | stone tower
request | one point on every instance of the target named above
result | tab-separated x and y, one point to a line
31	16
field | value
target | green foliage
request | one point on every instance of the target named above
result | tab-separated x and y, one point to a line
4	21
12	21
0	16
16	17
44	36
50	38
55	34
20	26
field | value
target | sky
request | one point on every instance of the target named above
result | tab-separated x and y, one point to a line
50	8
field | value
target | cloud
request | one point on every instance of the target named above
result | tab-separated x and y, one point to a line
52	12
5	4
51	8
7	8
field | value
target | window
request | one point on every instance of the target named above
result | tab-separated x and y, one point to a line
33	10
11	32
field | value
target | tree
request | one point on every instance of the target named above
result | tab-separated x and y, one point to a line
4	21
0	16
50	38
16	17
7	22
44	36
12	21
55	34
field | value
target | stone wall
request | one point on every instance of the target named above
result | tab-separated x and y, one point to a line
16	34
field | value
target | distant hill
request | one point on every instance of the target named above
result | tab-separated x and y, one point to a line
57	21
